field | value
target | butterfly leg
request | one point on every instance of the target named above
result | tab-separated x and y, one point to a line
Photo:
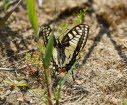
73	76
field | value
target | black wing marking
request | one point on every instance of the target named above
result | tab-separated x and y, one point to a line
45	32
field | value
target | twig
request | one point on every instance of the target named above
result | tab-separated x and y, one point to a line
13	69
80	98
16	5
17	62
8	13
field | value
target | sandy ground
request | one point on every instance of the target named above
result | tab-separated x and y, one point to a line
101	78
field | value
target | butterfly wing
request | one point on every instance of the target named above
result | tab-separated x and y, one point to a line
45	32
72	43
76	36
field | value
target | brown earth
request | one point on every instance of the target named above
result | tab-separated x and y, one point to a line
102	77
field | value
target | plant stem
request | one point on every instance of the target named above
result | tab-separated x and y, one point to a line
49	85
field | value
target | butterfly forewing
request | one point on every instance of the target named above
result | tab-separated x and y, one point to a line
75	34
45	32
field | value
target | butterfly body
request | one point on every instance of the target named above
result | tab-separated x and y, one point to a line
66	51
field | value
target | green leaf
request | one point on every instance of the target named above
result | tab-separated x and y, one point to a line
28	55
48	54
32	15
80	16
15	82
22	83
7	82
7	4
76	22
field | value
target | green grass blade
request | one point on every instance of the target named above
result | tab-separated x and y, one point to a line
64	80
32	15
67	75
48	54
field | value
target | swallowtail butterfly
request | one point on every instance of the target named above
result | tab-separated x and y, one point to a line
65	52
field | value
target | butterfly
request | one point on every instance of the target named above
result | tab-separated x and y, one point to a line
66	50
